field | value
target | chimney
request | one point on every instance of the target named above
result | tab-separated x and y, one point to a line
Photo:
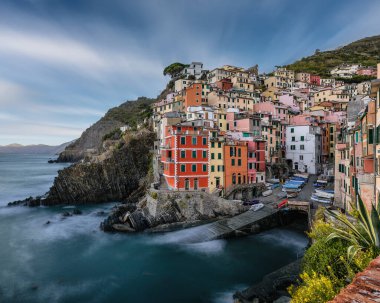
378	70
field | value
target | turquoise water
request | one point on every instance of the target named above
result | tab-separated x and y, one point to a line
71	260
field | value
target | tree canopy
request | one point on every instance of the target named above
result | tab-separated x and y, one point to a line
174	69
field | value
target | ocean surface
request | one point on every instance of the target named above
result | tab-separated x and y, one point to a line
72	260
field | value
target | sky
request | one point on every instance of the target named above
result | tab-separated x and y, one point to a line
64	63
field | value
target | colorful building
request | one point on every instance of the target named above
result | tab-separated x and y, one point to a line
185	157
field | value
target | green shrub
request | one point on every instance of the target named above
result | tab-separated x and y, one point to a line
154	195
314	289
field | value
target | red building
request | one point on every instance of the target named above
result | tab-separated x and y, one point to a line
224	84
315	80
185	157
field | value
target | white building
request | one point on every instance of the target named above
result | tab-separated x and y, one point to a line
304	148
194	69
345	71
204	113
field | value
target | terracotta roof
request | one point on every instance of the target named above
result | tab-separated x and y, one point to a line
364	288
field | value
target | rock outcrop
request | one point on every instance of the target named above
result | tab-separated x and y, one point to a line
121	175
162	208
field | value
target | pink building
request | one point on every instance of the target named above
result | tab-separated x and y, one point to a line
367	71
288	100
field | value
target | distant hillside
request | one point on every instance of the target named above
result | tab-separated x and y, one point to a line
364	51
33	149
129	113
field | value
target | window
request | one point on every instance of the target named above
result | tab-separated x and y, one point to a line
219	156
232	162
212	144
183	140
293	139
204	154
194	154
231	151
194	140
302	147
292	130
183	168
183	154
239	152
204	141
193	167
239	162
292	147
219	145
301	157
220	167
212	156
204	167
212	168
370	136
302	138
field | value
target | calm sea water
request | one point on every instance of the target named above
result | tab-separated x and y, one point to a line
71	260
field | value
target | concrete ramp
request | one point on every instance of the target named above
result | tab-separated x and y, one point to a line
226	227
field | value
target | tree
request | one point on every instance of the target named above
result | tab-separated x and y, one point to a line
363	235
174	69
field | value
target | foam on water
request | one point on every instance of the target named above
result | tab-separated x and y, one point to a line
227	296
283	237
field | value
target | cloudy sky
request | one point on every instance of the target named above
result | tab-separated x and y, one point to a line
63	63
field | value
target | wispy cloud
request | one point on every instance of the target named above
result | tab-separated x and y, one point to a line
66	64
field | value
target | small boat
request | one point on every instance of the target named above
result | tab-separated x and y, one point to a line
304	176
257	207
252	202
283	203
319	199
292	194
290	190
273	181
302	183
291	185
324	193
267	193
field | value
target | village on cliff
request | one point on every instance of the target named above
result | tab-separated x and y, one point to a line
232	126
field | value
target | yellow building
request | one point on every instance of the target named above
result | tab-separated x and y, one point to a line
216	164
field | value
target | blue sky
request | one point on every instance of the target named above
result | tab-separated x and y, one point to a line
63	64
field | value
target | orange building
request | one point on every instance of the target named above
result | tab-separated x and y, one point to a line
185	157
193	95
235	163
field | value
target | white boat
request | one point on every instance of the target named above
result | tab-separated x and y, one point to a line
322	200
302	175
291	190
267	193
257	207
292	194
323	194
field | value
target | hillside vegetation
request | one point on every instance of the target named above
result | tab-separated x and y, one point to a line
129	113
365	52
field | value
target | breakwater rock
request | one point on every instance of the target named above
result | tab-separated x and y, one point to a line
165	208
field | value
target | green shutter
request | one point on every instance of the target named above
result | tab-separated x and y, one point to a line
370	136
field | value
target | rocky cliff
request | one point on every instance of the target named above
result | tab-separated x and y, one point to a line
90	142
115	175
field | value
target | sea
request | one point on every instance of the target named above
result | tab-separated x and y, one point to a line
71	260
